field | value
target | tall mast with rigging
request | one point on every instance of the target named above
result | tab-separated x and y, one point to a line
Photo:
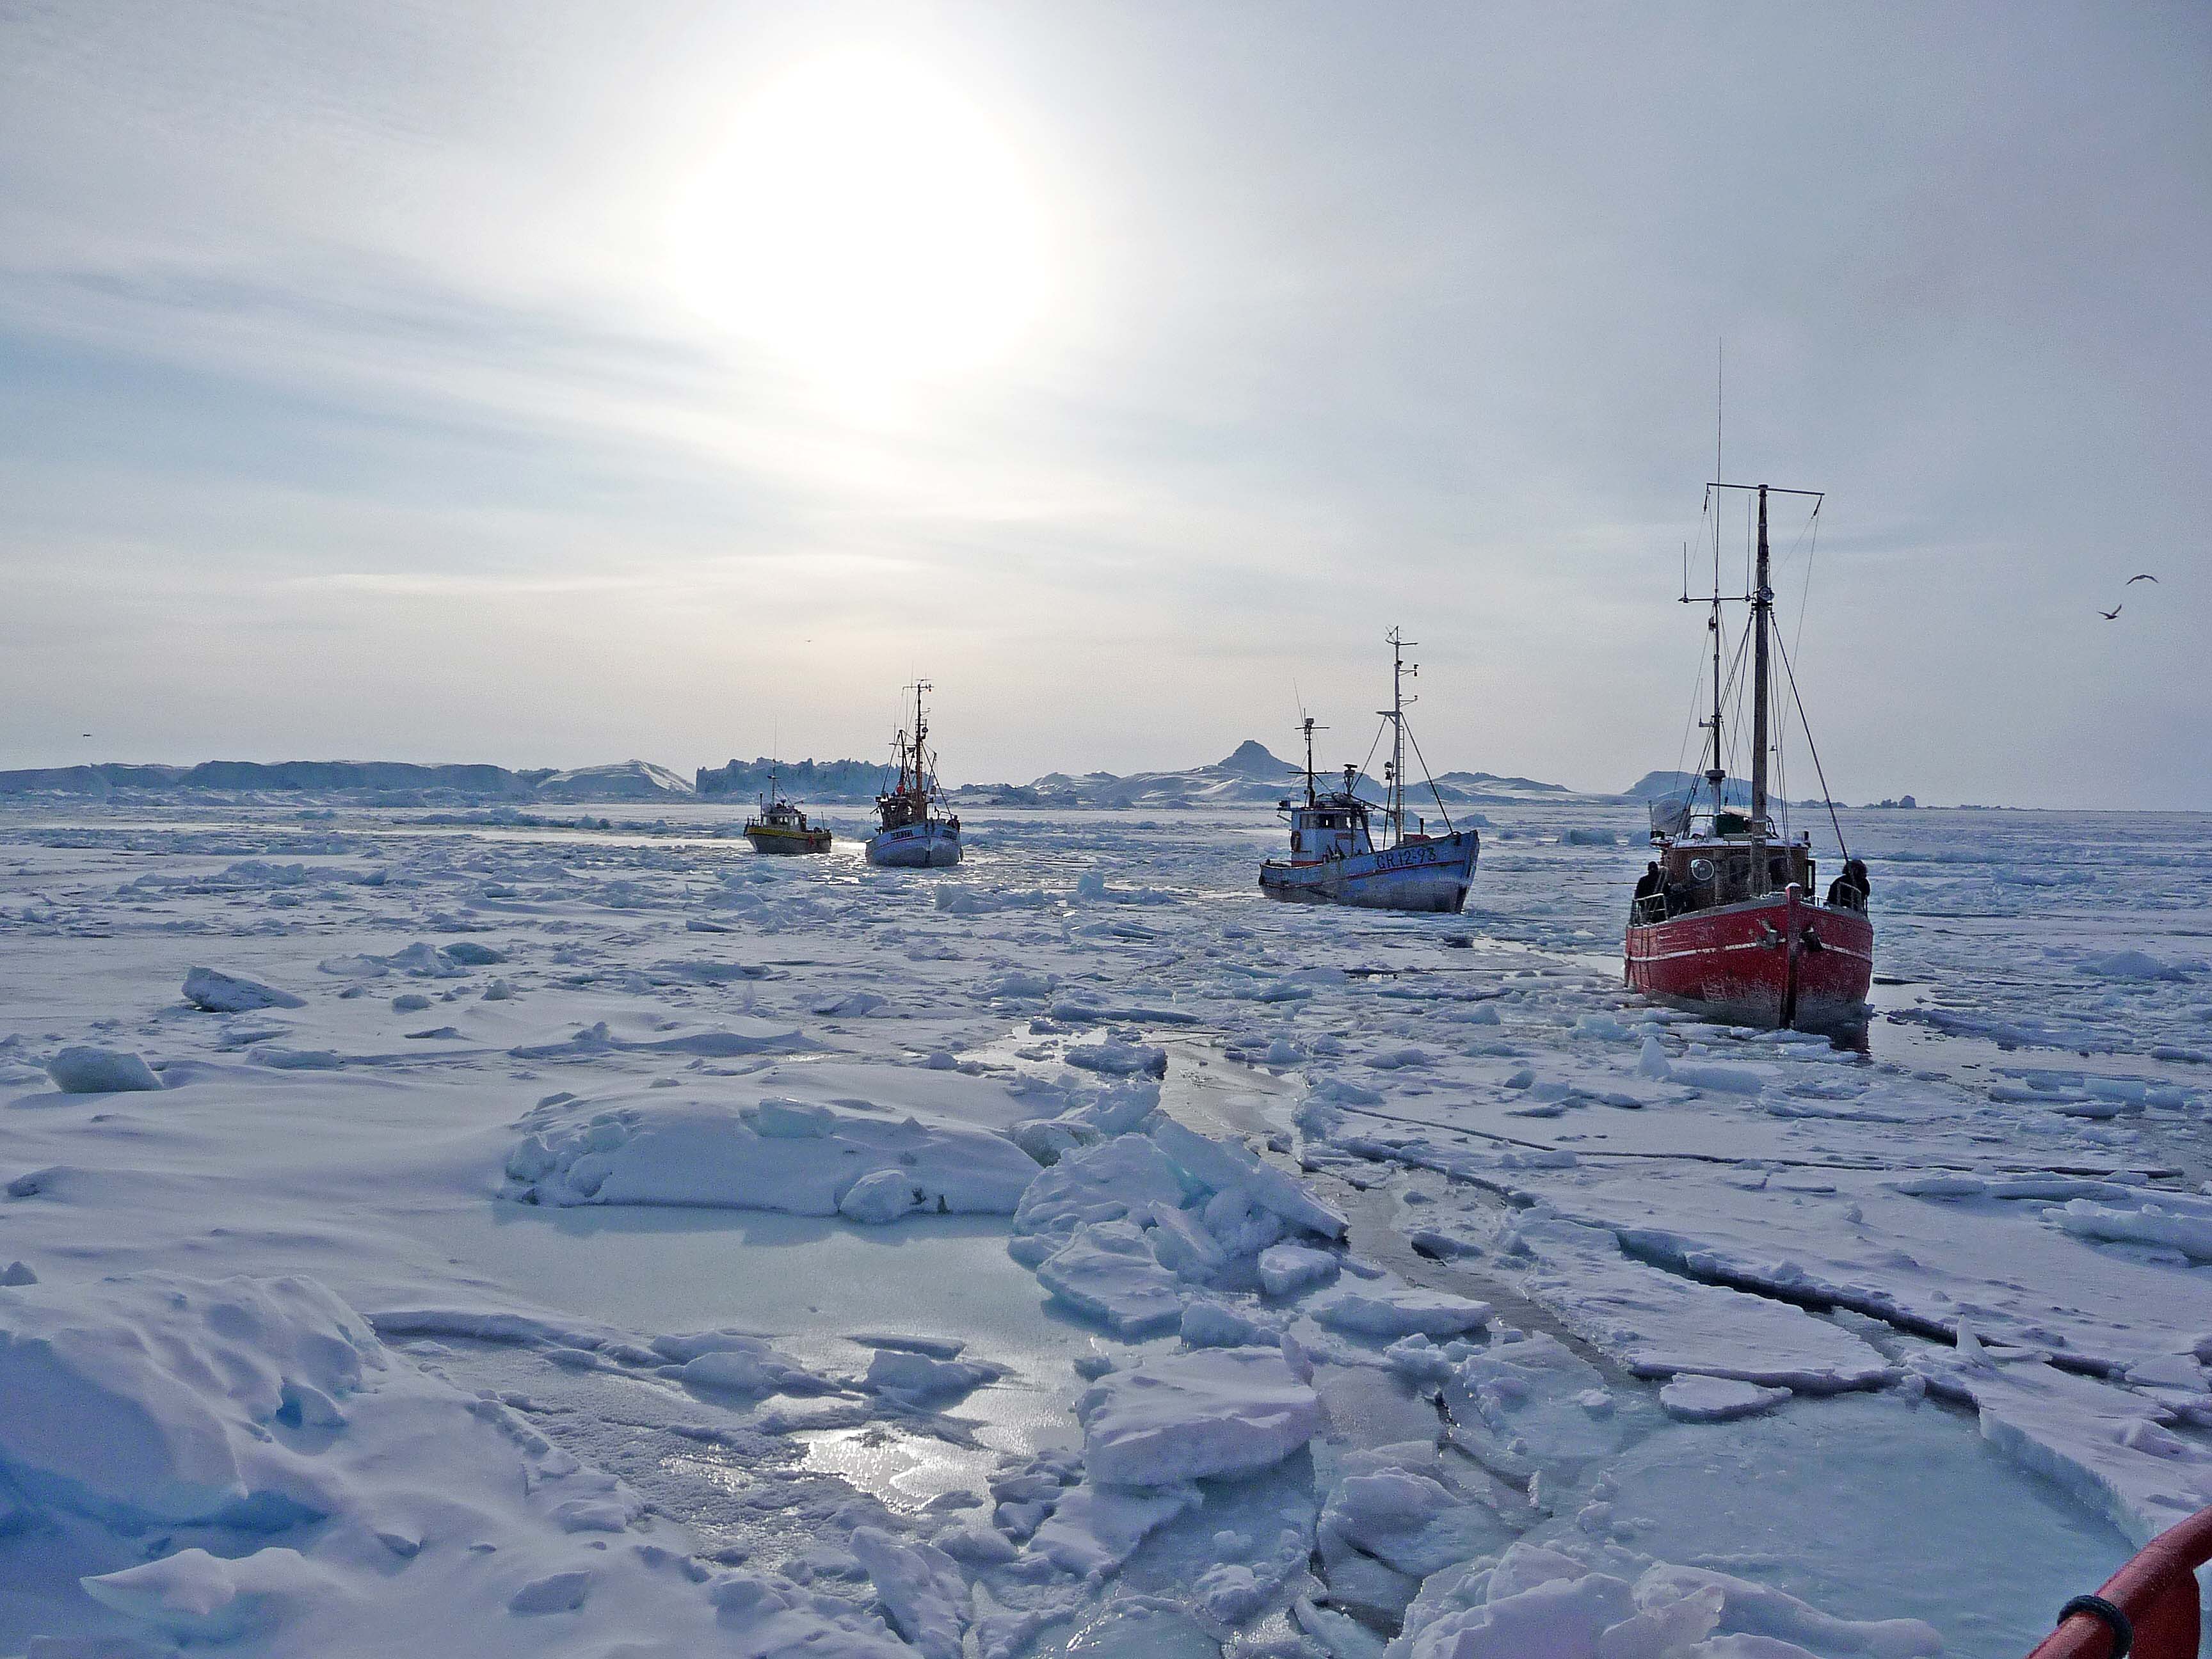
1762	604
1394	794
1717	769
920	737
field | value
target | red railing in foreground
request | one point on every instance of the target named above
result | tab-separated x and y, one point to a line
2147	1610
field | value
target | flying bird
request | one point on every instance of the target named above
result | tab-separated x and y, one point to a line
2132	580
2114	612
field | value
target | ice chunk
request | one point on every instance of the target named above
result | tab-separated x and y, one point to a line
920	1588
1724	1080
199	1597
2152	1223
1390	1311
882	1195
676	1147
1105	1182
1287	1269
1760	1611
220	993
1222	1166
792	1119
556	1592
2130	964
85	1071
918	1376
1107	1271
1396	1509
1207	1324
1093	1529
1172	1418
731	1362
1120	1059
1694	1398
1561	1618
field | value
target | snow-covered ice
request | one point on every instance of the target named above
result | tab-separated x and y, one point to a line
577	1239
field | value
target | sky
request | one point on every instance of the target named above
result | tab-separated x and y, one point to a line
560	383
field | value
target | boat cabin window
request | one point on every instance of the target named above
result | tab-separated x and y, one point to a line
1697	878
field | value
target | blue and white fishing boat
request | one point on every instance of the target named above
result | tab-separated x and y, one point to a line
916	833
1345	850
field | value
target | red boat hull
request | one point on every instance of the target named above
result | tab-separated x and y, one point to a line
1777	960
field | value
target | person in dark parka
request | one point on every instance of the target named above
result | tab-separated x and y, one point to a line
1651	881
1848	891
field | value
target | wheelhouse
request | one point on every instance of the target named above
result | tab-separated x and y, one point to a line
1331	827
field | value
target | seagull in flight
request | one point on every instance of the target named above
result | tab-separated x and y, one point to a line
2109	615
2132	580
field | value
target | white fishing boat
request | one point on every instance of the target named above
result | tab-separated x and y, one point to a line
916	833
1346	850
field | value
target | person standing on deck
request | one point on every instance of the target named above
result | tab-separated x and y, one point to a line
1850	890
1651	881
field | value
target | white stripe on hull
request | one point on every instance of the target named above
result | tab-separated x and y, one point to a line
917	846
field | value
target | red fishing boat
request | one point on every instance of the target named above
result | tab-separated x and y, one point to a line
1730	925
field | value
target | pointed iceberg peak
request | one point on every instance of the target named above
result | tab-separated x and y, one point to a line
1252	760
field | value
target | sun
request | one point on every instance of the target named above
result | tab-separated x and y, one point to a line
868	222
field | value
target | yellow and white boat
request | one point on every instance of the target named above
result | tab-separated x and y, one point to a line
781	827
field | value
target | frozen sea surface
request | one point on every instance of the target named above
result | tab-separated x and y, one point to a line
602	1236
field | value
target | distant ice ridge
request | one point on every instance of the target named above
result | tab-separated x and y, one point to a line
388	782
1249	775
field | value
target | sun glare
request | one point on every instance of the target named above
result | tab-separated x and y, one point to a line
868	222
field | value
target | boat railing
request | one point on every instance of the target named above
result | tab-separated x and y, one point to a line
1651	907
2149	1609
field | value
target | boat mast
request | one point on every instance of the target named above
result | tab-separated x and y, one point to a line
1309	728
1762	602
1395	796
920	737
1717	774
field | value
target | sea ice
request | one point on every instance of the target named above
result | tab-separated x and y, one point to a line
1658	1323
1285	1270
1107	1271
1392	1310
701	1145
219	993
919	1586
87	1071
147	1401
1694	1398
1093	1529
1173	1417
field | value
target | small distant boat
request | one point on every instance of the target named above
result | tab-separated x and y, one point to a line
917	834
1345	851
781	827
1734	929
